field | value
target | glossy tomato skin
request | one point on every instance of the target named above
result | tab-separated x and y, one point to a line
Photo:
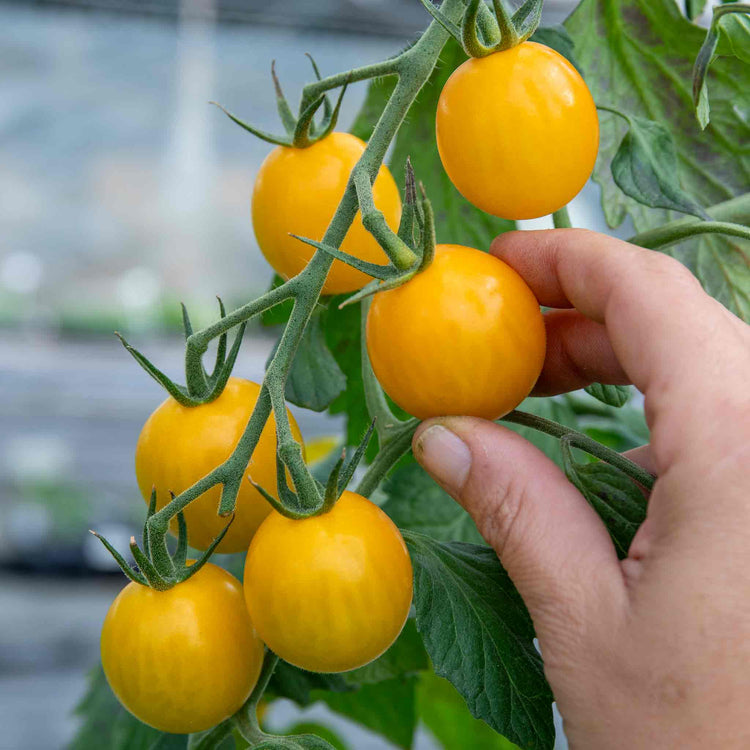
331	592
464	337
185	659
298	190
179	445
517	131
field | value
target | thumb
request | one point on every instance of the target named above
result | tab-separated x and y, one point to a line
548	538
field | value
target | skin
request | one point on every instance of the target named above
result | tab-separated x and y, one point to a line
517	131
654	650
179	445
185	659
332	592
466	306
298	190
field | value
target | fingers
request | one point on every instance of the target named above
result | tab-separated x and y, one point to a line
673	341
643	457
633	292
548	538
578	353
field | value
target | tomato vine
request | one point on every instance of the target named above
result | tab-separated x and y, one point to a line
641	169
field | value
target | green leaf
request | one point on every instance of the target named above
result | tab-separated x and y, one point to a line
734	32
558	38
297	684
479	635
342	330
617	499
293	742
308	727
443	711
700	72
693	8
612	395
417	503
278	314
638	55
107	724
405	657
456	220
387	708
315	379
645	168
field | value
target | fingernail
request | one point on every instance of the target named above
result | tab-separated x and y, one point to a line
444	455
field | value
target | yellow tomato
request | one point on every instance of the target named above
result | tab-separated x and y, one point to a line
464	337
298	190
331	592
517	131
185	659
179	445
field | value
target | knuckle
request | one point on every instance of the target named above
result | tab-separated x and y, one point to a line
502	515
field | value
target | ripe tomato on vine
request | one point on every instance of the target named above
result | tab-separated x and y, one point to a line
464	337
517	131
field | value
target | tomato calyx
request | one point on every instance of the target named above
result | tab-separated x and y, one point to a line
483	32
294	505
416	229
301	131
201	387
158	568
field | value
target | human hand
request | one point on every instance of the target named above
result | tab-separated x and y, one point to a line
652	651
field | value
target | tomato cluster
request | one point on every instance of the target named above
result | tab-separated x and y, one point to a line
465	336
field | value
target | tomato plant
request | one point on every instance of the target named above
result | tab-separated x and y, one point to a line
329	593
179	445
185	659
518	131
466	307
499	118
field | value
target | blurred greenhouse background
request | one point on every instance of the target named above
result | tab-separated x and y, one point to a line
122	193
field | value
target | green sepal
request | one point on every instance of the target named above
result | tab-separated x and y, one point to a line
180	555
470	33
303	131
355	460
267	137
443	20
410	217
147	568
219	380
332	492
191	570
527	18
149	513
178	393
275	504
186	324
221	348
120	560
371	269
288	120
327	110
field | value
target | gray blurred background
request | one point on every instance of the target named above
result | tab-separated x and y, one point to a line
122	192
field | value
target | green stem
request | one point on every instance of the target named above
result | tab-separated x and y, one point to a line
584	442
375	400
561	218
721	10
669	234
397	444
246	719
414	67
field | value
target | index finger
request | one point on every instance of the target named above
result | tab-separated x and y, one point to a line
675	343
